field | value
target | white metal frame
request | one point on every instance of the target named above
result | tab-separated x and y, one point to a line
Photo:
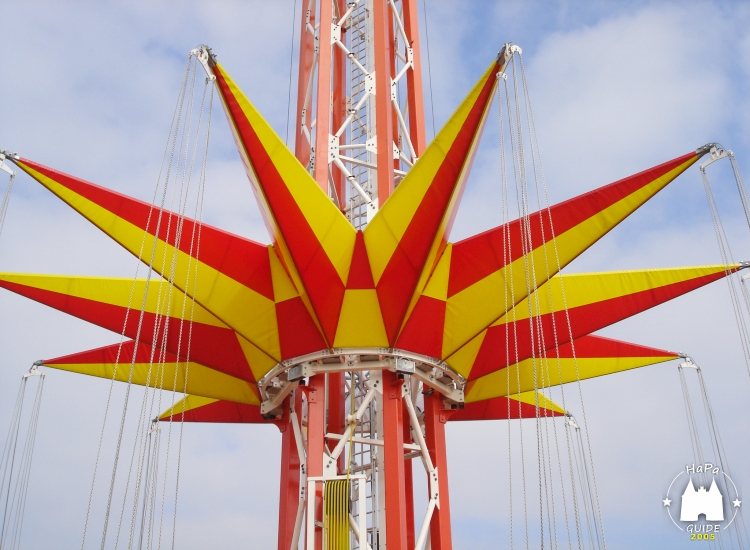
4	167
283	378
353	145
358	522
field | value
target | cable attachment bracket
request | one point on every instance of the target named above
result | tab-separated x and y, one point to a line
688	363
34	370
506	53
717	153
205	57
571	421
3	166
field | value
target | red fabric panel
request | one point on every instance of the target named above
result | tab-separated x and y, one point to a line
592	346
497	409
108	355
475	258
243	260
398	281
322	282
425	335
298	334
583	320
360	274
224	412
214	347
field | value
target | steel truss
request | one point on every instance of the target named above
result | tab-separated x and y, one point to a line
360	117
356	418
358	456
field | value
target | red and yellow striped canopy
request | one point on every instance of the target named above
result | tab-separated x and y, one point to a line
322	284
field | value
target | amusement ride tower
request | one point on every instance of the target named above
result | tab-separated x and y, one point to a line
360	331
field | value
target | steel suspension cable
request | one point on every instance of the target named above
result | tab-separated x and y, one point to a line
538	173
20	491
291	66
16	470
530	279
547	207
9	454
176	130
127	314
717	446
586	488
727	258
509	270
195	239
6	195
429	64
506	261
153	443
162	335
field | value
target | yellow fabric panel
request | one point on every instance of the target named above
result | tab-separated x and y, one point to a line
226	298
202	381
187	403
260	363
478	306
544	401
582	289
463	359
519	377
386	229
116	291
437	287
334	232
587	288
283	289
360	322
441	237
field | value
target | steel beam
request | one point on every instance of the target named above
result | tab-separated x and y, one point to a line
289	488
316	421
381	16
415	95
408	484
434	421
305	73
393	454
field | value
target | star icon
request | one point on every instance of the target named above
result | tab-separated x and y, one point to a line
666	501
737	502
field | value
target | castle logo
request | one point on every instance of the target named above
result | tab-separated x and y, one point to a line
709	503
703	513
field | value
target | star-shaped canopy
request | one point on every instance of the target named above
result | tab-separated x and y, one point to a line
398	284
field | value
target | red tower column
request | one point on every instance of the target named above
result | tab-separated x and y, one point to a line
337	410
316	425
289	489
415	98
393	451
323	108
408	483
434	422
338	107
381	17
306	60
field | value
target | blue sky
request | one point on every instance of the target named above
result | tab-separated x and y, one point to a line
617	87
